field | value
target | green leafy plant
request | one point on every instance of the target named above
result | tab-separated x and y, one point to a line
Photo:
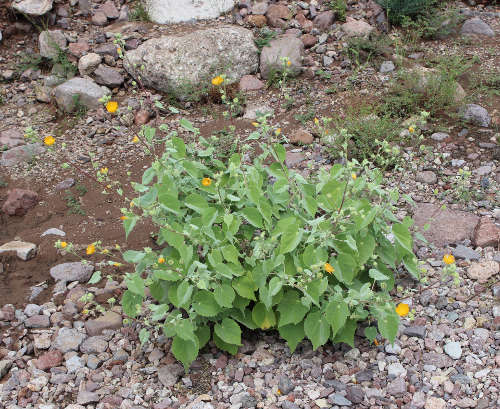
339	7
257	245
139	12
263	38
397	10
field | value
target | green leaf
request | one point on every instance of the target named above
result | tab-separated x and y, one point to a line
179	146
131	303
228	331
224	295
185	329
253	216
232	349
144	336
204	304
336	313
176	240
388	322
131	256
290	238
135	284
346	333
203	335
196	202
184	292
310	205
366	246
230	253
280	152
245	287
185	351
316	288
129	224
186	124
331	195
96	277
291	309
317	329
263	317
159	291
377	275
292	334
403	236
371	333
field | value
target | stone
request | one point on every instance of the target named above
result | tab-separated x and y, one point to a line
11	138
75	271
243	400
69	339
476	114
53	232
110	320
74	363
440	136
302	137
397	387
178	11
387	66
477	26
32	7
173	63
294	159
86	90
94	345
466	403
453	350
169	374
323	21
415	331
338	399
32	309
78	49
308	40
99	19
355	394
21	154
282	47
483	271
427	176
466	253
88	63
436	359
285	385
252	112
19	201
108	76
446	226
49	360
43	340
23	250
395	370
51	43
392	349
356	28
5	366
435	403
43	93
256	20
250	83
486	233
110	10
85	397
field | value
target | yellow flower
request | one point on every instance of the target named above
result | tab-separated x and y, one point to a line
448	259
63	244
117	264
375	342
49	140
411	129
256	124
289	63
112	106
354	176
161	260
206	182
135	139
277	131
132	204
119	50
123	218
316	121
329	268
91	249
104	171
402	309
85	312
217	80
105	251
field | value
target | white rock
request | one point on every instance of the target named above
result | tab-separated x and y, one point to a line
177	11
32	7
24	250
453	349
54	232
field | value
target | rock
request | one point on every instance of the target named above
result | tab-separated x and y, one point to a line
252	112
387	66
32	309
141	117
21	154
86	397
88	63
294	159
453	349
51	43
436	359
24	250
446	226
284	46
286	404
19	201
429	78
99	19
108	76
69	339
94	345
53	232
439	136
49	360
74	363
285	385
483	271
415	331
486	233
356	28
43	340
88	93
176	63
11	138
324	20
397	387
110	320
308	40
435	403
5	366
301	136
462	252
43	93
243	400
476	114
256	20
177	11
338	399
32	7
75	271
477	26
65	184
110	10
395	370
277	15
37	321
355	394
250	83
169	374
78	49
393	349
427	176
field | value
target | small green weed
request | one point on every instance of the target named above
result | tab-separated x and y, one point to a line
340	8
139	13
73	204
263	38
3	183
398	10
362	50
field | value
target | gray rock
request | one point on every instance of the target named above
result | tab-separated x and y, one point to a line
338	399
184	64
21	154
397	387
88	63
69	339
32	309
460	378
426	176
440	136
286	404
285	385
23	250
86	397
286	46
177	11
244	400
476	114
252	111
109	321
108	76
74	363
51	43
415	331
76	271
453	349
395	370
85	90
32	7
436	359
11	138
355	394
169	374
462	252
477	26
387	66
393	349
37	321
356	28
54	232
5	366
94	345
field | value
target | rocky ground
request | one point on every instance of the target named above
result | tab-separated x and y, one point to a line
55	353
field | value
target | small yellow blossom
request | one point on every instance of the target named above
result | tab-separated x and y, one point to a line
448	259
161	260
63	244
117	264
132	204
217	80
91	249
123	218
112	106
354	176
289	63
256	124
411	129
206	182
135	139
329	268
104	171
49	140
277	131
402	309
119	50
105	251
375	342
85	312
316	121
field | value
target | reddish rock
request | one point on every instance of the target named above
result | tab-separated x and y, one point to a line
324	20
19	201
486	233
11	138
278	11
301	136
306	24
141	117
78	49
132	44
250	83
99	19
110	10
7	313
309	40
49	360
221	362
293	159
110	320
37	321
256	20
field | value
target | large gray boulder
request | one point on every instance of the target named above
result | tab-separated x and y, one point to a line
51	43
287	46
183	64
83	90
32	7
177	11
476	114
477	26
